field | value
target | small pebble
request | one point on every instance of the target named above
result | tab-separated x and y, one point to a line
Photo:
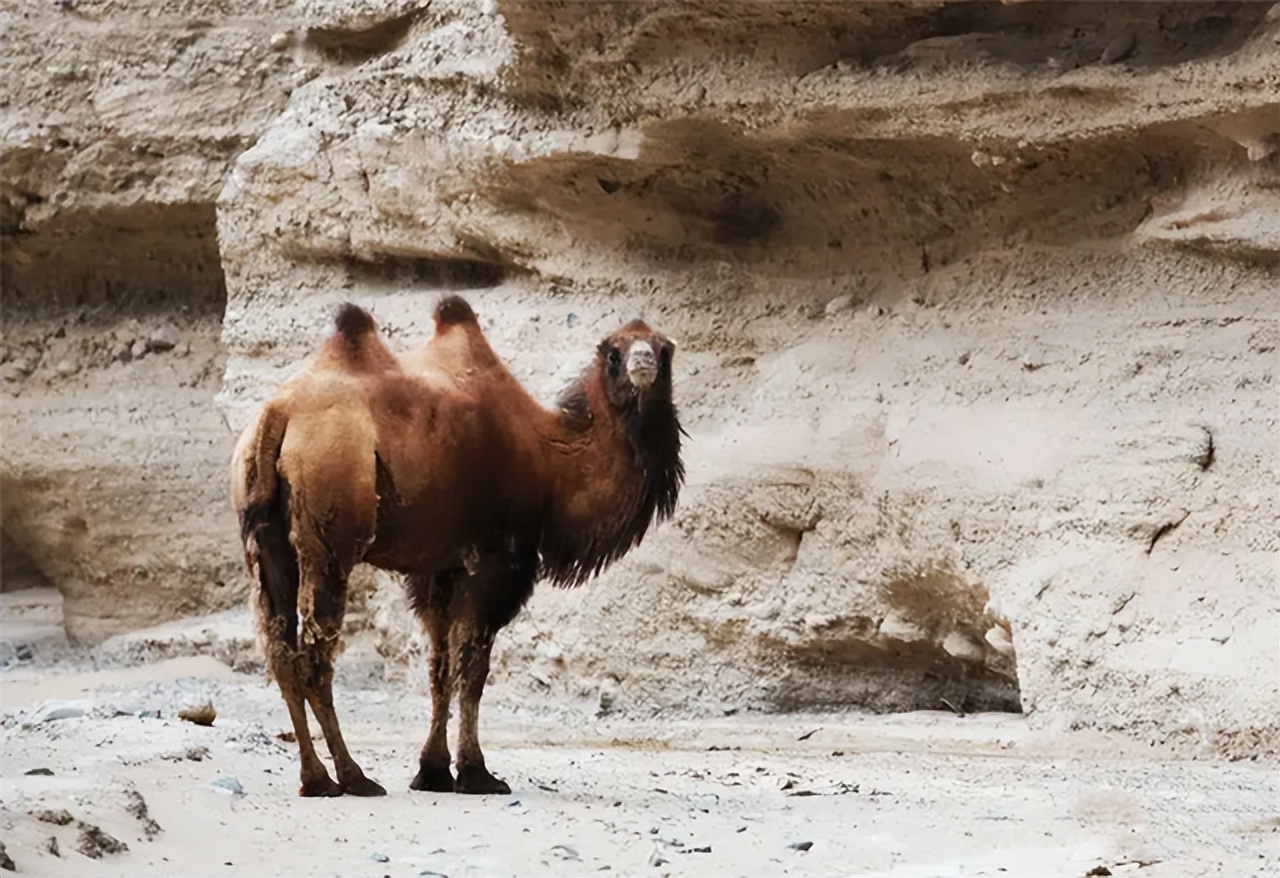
93	842
66	368
379	857
201	715
839	304
281	40
564	852
165	338
56	710
138	350
800	845
229	785
42	772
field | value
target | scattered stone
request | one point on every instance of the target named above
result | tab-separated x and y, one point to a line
6	861
960	645
51	711
1000	639
281	40
165	338
839	305
52	846
137	806
229	785
564	852
570	319
702	850
379	857
122	353
800	845
93	842
148	714
1257	150
61	817
807	735
656	858
138	349
39	772
1119	48
201	715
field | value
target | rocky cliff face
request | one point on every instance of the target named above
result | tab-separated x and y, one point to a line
976	314
120	121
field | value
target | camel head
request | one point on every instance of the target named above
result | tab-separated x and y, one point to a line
635	365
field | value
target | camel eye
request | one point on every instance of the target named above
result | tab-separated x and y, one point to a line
615	357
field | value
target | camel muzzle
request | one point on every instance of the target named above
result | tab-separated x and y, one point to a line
642	365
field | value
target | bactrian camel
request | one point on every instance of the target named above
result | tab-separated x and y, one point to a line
438	465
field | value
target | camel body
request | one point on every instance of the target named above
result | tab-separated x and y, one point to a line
440	466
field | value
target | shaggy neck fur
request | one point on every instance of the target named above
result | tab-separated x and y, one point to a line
646	430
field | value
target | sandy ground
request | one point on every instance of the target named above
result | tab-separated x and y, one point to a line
912	794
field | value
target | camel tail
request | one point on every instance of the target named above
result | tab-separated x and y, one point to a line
264	529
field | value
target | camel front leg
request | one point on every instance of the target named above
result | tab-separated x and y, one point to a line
434	774
472	644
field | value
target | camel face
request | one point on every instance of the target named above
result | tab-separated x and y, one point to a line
636	365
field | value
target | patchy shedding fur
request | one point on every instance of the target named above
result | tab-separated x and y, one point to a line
439	465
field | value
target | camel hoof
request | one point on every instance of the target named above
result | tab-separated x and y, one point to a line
323	786
476	780
432	780
362	786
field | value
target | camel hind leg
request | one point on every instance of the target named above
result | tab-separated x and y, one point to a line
276	567
321	606
331	465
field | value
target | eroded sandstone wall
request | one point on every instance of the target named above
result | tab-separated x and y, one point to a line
977	325
976	313
119	123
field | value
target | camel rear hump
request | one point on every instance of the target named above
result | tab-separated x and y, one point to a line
459	346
